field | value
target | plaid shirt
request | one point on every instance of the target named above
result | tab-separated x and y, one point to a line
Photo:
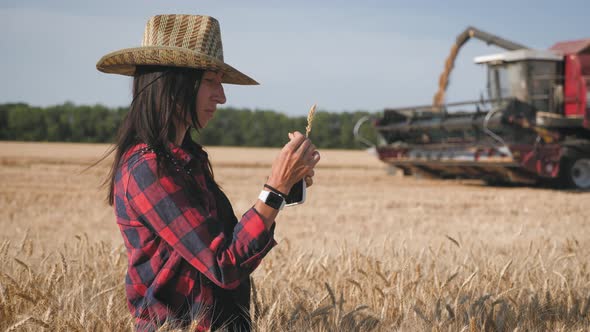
180	257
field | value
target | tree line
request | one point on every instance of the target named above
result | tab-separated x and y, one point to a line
229	127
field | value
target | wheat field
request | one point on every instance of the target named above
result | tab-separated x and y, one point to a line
368	251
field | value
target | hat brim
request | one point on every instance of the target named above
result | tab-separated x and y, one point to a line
124	62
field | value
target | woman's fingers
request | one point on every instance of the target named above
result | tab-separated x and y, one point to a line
315	158
311	157
301	144
304	147
309	178
296	161
296	139
309	154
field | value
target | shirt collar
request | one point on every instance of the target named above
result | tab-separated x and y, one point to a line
186	152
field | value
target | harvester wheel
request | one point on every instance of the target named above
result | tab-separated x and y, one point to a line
575	172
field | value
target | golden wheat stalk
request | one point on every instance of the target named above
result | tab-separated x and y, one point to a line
310	116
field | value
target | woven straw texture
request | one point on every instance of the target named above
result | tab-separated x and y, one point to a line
192	41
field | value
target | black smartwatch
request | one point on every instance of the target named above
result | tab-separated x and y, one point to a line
272	199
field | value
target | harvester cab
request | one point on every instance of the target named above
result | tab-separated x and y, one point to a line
534	125
529	76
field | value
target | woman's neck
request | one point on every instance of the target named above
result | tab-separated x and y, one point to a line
180	133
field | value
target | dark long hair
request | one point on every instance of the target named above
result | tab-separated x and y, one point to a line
161	96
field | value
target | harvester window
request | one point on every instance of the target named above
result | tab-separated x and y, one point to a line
506	81
544	79
498	78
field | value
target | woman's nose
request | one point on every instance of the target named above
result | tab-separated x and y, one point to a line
220	95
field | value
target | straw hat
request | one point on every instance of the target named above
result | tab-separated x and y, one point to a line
192	41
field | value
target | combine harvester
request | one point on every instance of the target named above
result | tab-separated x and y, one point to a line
533	127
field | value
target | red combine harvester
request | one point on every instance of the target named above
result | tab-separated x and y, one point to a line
533	127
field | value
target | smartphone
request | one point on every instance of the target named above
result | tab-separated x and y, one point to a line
296	194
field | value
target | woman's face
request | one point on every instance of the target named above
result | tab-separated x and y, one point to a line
210	94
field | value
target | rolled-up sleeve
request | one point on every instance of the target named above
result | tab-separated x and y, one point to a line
162	205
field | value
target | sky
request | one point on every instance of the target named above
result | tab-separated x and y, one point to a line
343	55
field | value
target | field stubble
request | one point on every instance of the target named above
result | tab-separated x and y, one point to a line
367	251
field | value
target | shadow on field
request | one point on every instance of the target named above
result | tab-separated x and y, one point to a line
548	185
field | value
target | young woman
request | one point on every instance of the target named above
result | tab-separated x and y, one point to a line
189	256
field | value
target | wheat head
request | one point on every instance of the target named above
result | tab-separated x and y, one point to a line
310	116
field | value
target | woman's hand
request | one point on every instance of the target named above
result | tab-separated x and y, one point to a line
296	161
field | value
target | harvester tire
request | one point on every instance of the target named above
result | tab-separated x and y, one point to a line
575	171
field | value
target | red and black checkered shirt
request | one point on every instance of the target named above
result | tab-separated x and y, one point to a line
182	251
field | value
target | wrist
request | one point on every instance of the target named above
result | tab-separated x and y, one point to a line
278	187
275	190
267	213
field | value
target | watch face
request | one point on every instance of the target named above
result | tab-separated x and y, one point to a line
274	200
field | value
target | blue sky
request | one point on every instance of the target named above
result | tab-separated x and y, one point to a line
342	55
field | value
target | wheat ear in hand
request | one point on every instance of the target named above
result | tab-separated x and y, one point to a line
310	116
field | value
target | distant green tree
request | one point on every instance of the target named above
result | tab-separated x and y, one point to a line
56	129
26	123
4	134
